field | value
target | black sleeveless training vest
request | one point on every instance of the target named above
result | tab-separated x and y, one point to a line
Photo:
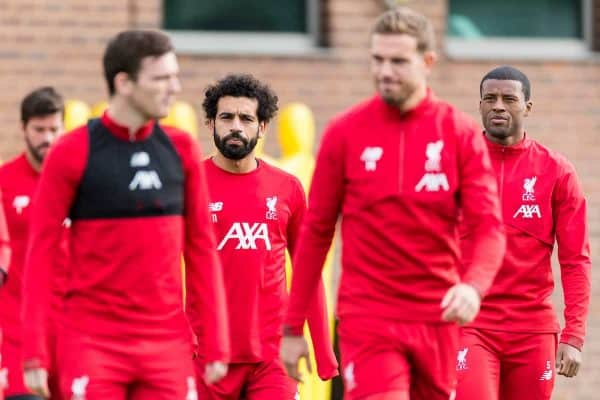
129	179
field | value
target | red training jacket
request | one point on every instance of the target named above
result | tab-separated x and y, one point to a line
542	203
399	182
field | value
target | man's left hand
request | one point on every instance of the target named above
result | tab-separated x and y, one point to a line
568	360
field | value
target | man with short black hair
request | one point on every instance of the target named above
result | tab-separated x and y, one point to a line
256	212
136	194
42	113
511	348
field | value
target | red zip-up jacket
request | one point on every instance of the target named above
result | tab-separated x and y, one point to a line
136	204
4	242
542	203
253	232
399	182
18	182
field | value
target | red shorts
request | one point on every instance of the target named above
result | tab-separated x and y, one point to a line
504	365
265	380
412	360
97	368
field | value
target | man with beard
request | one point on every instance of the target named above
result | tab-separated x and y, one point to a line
512	348
42	113
399	167
256	210
136	194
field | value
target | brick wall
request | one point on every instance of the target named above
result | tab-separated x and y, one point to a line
61	42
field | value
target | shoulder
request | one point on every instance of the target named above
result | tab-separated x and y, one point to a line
280	177
551	159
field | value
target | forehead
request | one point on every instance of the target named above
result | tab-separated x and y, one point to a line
46	120
502	86
163	64
237	105
393	44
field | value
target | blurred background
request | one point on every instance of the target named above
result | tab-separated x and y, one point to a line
315	52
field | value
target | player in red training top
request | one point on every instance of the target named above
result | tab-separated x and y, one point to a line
4	265
511	347
42	113
256	210
399	167
136	194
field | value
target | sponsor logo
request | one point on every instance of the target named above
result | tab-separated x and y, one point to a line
349	377
528	211
434	179
145	180
247	236
547	374
20	203
192	392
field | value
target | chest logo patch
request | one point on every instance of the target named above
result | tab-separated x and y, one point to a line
370	156
271	210
20	203
528	210
434	178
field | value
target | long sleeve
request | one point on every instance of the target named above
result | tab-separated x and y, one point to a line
4	242
63	168
327	366
318	228
205	294
481	211
570	218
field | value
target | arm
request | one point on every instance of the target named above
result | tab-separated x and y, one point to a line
317	313
4	246
569	212
316	234
478	196
205	294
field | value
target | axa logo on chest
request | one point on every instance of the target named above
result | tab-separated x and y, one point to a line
528	211
247	236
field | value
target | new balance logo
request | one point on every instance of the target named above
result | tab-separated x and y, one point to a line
139	159
528	211
20	203
247	235
216	206
145	180
370	156
349	377
79	387
192	392
461	359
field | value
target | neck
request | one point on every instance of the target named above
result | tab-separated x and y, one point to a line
245	165
415	98
35	164
123	114
506	140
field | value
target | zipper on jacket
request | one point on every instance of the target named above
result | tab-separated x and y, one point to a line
400	162
501	188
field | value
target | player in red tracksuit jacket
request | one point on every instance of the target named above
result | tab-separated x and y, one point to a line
399	167
42	121
510	349
135	192
4	265
256	210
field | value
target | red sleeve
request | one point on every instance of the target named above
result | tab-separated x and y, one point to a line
318	228
205	291
318	324
60	177
570	218
4	241
480	207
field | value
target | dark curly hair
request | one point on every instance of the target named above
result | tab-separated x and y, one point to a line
241	85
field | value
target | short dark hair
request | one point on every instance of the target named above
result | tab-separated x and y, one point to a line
124	53
508	73
41	102
241	85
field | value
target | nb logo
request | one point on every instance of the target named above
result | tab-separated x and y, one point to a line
247	235
145	180
216	206
528	211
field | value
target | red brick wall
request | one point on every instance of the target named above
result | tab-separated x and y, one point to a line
60	43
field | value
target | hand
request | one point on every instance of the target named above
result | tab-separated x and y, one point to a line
568	360
293	348
461	304
214	372
36	380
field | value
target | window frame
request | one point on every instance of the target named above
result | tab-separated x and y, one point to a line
526	48
252	43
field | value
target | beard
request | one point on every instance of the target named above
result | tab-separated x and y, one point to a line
399	96
234	152
36	151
